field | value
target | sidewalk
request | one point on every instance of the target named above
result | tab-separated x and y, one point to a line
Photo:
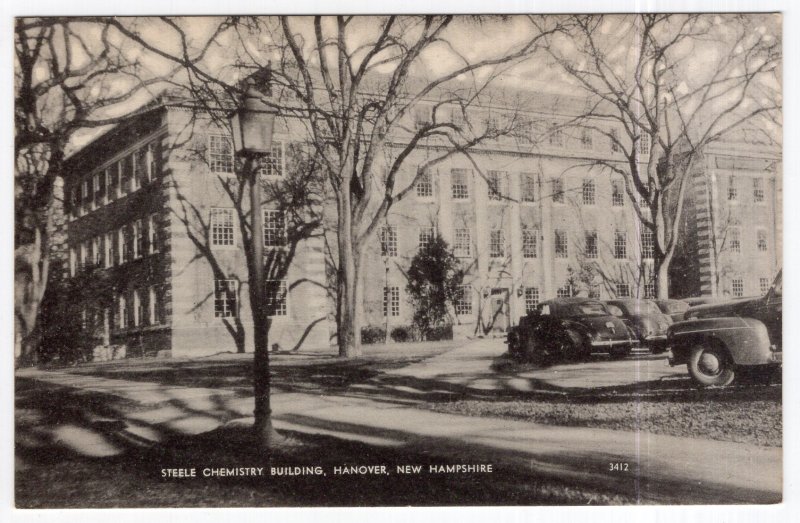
662	469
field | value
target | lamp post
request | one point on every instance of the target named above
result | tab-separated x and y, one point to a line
252	125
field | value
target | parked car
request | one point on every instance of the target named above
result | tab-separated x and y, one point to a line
675	309
649	324
716	340
569	329
703	300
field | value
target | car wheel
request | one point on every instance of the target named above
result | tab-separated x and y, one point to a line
710	365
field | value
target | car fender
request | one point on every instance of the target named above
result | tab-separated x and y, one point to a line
745	339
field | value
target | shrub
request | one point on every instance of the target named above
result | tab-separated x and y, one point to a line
373	334
402	334
444	332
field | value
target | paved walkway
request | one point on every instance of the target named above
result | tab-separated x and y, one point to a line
660	468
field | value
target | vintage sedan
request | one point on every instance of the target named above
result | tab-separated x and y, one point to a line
569	329
716	340
675	309
646	319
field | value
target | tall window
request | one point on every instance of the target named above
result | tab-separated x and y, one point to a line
736	240
761	240
586	138
73	260
497	244
98	180
138	308
225	299
556	138
763	285
152	305
274	228
459	183
588	192
126	174
623	290
425	185
648	244
558	190
122	312
122	245
528	188
531	298
153	236
141	166
426	235
530	243
108	258
564	292
272	163
86	195
497	184
138	239
462	243
276	302
389	241
591	244
620	245
737	286
758	190
97	251
112	182
463	304
643	145
617	193
562	249
650	289
391	301
733	193
220	153
152	161
614	140
222	227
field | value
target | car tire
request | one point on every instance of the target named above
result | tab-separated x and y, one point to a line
710	365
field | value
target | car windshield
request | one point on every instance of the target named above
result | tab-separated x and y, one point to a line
639	307
585	309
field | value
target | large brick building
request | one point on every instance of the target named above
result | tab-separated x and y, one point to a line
525	213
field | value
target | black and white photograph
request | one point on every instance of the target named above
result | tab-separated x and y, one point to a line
363	260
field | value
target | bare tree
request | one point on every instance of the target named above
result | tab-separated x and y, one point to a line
672	84
70	76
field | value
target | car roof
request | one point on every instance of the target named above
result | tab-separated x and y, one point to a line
569	301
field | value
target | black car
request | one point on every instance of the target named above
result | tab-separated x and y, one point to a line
569	329
675	309
645	318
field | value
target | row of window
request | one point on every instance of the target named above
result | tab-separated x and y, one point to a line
733	189
140	308
129	242
124	176
221	160
226	298
734	240
737	286
222	231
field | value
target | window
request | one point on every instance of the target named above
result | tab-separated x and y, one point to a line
156	299
272	163
497	182
220	153
562	250
426	235
151	305
153	236
643	145
556	138
648	244
222	227
761	240
459	184
732	191
497	244
389	241
758	190
225	299
650	290
620	245
422	116
391	301
737	286
617	193
84	258
558	190
530	243
528	189
73	260
75	202
736	241
276	297
424	185
531	298
763	285
126	174
588	192
122	312
108	259
586	138
140	166
614	139
565	291
86	195
274	228
591	244
112	182
623	290
122	246
152	161
98	187
138	308
463	304
138	240
462	243
97	251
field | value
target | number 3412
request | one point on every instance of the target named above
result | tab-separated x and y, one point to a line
618	466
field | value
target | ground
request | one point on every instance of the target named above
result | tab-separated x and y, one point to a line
99	435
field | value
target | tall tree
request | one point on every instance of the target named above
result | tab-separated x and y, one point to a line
666	86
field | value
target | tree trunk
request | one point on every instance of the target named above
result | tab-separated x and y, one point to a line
662	278
349	327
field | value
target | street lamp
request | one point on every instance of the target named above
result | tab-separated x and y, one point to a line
252	125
